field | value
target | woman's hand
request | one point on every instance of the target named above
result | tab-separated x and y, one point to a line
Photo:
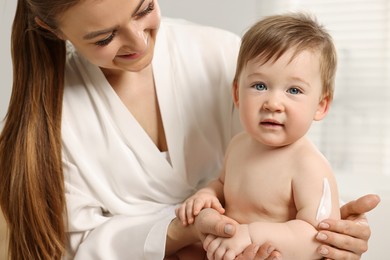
263	252
209	221
347	238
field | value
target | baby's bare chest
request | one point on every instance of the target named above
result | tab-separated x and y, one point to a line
258	189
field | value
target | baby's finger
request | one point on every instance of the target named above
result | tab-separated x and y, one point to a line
220	253
217	206
209	238
230	255
198	206
189	212
212	247
181	214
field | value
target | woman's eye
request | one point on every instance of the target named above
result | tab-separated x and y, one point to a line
147	10
107	40
294	91
260	86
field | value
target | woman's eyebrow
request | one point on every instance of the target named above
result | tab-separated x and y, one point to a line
138	7
95	34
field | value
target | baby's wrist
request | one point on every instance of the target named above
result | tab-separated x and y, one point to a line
250	232
247	228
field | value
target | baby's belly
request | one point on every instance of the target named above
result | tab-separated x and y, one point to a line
259	197
248	215
248	208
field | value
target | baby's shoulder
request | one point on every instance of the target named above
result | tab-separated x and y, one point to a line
237	142
239	139
309	159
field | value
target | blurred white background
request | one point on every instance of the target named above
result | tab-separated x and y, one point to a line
355	136
7	10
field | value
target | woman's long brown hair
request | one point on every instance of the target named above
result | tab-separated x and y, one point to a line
31	180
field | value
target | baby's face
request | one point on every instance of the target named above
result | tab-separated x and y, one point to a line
278	100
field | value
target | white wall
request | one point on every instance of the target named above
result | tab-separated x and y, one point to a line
354	186
231	15
7	10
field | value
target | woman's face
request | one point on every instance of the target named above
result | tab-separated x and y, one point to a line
113	34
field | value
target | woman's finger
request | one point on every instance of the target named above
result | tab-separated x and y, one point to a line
341	242
256	252
360	206
333	253
338	229
249	253
209	221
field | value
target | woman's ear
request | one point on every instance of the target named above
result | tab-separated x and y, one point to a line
235	93
322	109
44	25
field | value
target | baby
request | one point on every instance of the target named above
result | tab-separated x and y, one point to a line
275	183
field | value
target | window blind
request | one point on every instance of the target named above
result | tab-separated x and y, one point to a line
355	136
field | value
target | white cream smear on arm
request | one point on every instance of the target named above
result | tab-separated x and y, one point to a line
325	207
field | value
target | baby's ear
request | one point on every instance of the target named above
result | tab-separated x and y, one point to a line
235	93
322	109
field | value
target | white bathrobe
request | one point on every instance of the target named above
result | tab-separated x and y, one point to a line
121	190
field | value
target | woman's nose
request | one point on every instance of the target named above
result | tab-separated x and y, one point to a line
136	37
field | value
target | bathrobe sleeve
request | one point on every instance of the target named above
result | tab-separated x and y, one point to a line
121	191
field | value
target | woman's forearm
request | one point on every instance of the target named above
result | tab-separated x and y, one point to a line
179	236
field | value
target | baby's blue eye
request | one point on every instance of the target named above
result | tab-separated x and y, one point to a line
260	86
294	91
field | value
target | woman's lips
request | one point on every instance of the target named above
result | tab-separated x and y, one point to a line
131	56
135	55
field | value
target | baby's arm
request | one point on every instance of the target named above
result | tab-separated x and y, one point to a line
210	196
315	196
293	239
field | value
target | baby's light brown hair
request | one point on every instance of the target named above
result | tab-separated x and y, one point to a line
272	36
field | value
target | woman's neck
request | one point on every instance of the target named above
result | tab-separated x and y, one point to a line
137	92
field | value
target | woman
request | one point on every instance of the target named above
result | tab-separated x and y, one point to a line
115	128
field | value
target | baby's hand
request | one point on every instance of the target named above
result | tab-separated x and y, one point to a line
187	212
227	248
